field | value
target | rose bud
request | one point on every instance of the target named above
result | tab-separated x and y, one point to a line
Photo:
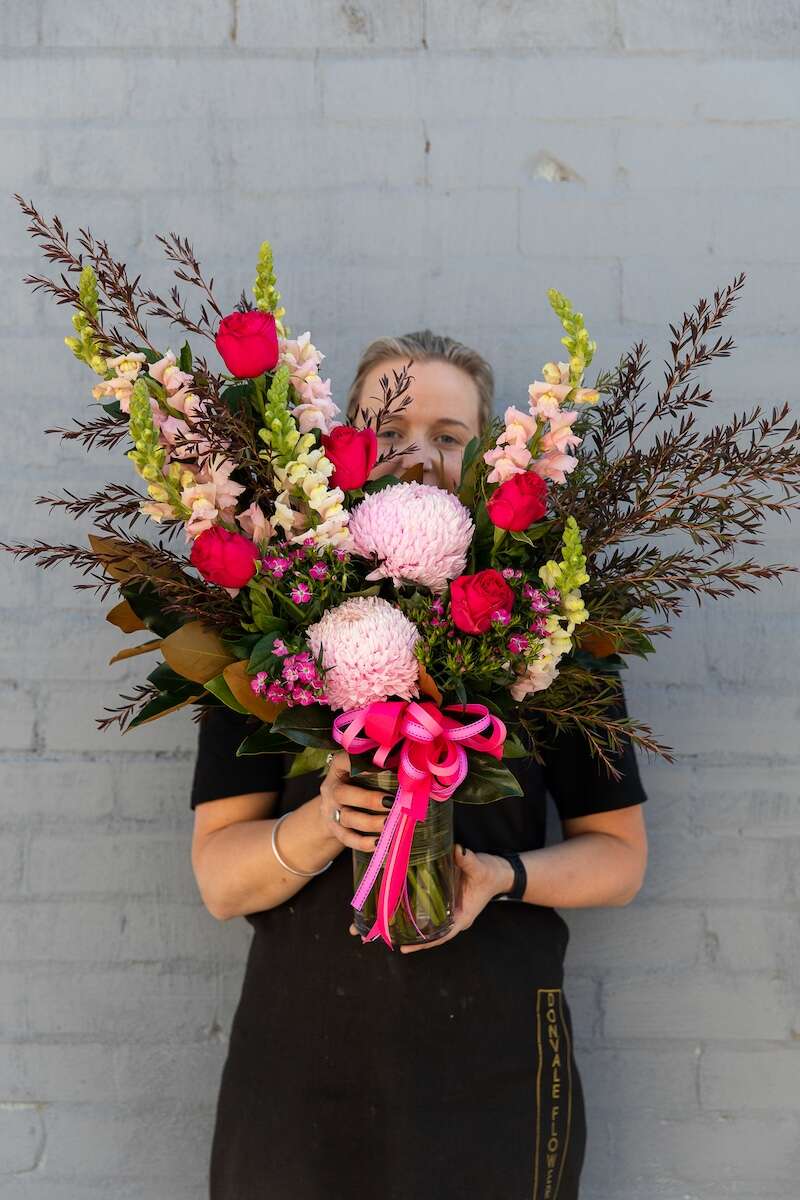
353	453
518	502
224	557
474	598
248	343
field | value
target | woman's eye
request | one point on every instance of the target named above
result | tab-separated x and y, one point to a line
389	433
448	439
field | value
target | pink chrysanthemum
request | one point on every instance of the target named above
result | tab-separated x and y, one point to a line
419	534
367	650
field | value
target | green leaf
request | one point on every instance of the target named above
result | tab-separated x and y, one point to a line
310	726
487	781
263	615
113	408
513	747
377	485
531	535
236	395
185	359
261	655
313	758
219	688
469	472
601	666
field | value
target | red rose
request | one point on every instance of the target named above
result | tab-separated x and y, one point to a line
353	453
474	598
248	342
223	557
518	502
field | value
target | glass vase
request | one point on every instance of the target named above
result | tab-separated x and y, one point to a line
428	914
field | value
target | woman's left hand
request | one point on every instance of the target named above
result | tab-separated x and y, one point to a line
479	877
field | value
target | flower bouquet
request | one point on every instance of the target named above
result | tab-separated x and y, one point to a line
433	633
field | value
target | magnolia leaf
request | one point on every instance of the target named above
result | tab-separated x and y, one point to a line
132	651
123	616
414	474
264	741
219	688
597	641
237	679
313	758
486	782
195	652
120	561
428	686
159	707
114	556
310	726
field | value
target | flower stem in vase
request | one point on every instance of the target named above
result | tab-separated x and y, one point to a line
425	913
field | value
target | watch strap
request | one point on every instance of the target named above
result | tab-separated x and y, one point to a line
517	889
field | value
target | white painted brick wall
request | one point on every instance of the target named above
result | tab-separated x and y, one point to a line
396	153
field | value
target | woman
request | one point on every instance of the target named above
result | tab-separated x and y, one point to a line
353	1069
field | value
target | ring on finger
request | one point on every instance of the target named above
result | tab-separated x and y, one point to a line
337	816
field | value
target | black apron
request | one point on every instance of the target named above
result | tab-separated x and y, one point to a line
354	1070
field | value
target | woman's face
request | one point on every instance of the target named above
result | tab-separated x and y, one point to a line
442	417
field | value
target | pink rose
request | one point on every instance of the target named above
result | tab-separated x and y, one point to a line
248	343
518	502
474	598
224	557
353	453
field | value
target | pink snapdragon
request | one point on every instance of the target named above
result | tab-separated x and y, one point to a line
315	408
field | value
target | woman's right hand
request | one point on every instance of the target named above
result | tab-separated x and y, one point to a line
362	812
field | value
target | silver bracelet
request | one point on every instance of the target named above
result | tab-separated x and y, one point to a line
285	865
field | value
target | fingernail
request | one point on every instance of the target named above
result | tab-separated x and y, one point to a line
387	801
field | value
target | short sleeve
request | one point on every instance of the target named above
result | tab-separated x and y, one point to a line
580	784
217	770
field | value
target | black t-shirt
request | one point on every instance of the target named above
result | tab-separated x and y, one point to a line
578	783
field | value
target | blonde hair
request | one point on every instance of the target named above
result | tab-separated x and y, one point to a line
426	346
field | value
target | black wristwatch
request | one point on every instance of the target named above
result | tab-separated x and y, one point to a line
517	889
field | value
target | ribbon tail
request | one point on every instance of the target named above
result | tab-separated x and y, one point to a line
378	855
394	877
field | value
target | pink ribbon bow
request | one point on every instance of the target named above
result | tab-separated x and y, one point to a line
431	762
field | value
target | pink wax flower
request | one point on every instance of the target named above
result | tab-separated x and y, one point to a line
367	649
301	593
539	602
501	616
518	644
318	571
418	533
259	683
539	627
276	566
